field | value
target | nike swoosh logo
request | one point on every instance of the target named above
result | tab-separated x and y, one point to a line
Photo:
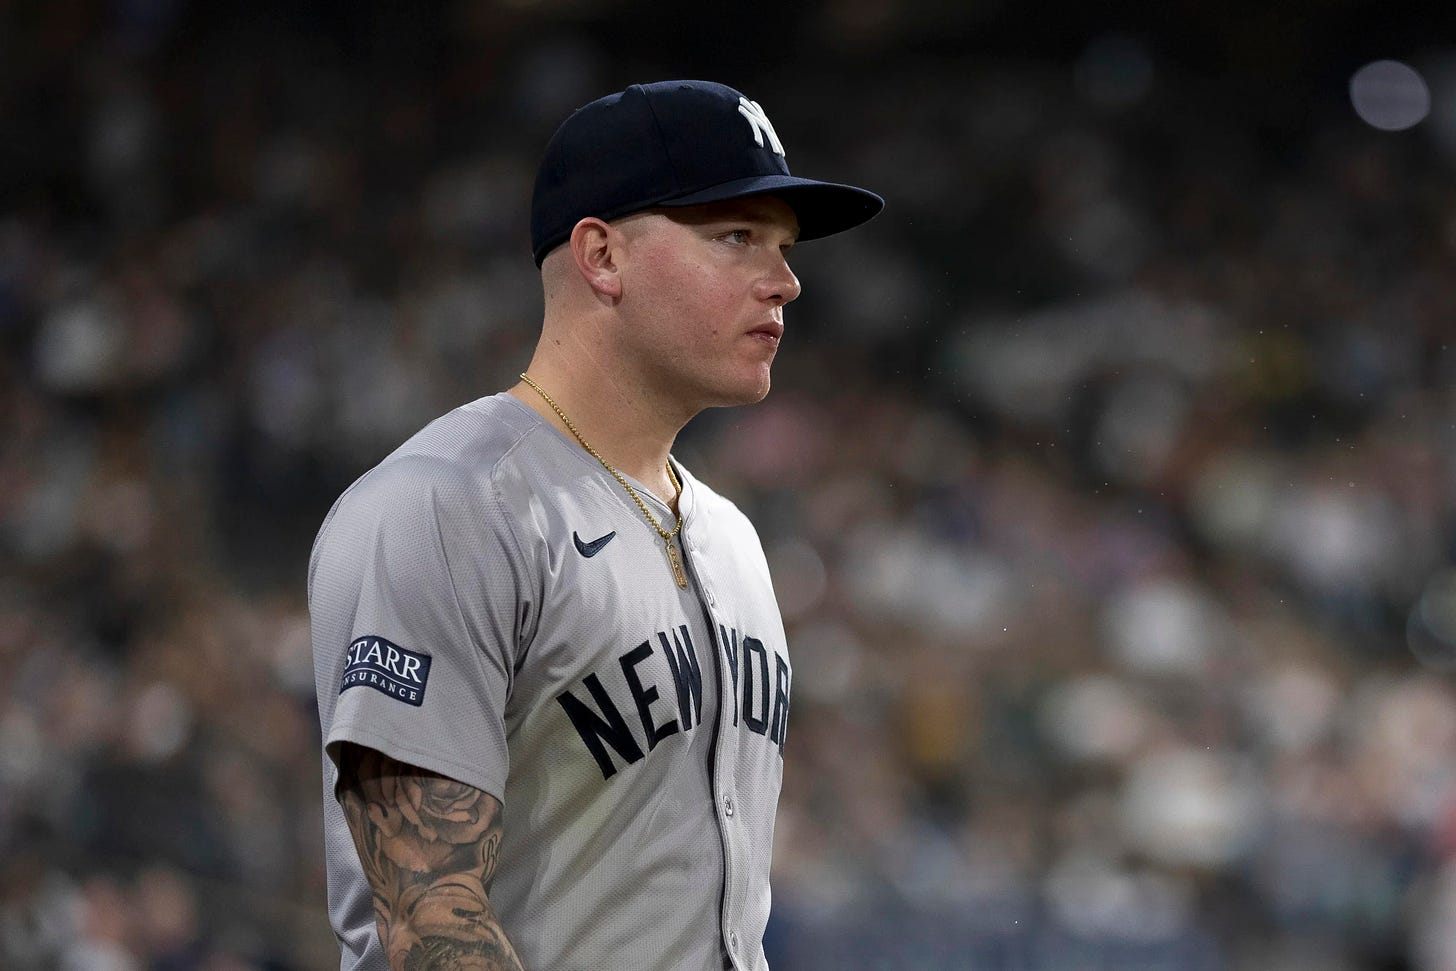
594	547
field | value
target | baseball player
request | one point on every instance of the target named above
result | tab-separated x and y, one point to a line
552	677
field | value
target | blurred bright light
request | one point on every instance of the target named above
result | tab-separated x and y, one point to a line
1390	95
1093	718
1165	626
1190	807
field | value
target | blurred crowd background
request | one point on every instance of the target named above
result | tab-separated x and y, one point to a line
1107	480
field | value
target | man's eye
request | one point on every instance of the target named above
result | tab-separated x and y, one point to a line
736	236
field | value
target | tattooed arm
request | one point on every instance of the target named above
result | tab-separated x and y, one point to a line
429	846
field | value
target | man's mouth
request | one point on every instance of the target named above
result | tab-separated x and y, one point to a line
770	332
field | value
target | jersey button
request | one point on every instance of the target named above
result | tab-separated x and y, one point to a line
727	805
733	940
712	602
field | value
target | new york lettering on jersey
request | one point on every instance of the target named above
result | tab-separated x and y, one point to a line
748	668
604	729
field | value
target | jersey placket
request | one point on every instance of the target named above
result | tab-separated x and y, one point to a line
725	757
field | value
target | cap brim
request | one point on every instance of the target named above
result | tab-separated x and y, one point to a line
823	208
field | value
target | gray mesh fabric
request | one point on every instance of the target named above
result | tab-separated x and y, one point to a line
633	731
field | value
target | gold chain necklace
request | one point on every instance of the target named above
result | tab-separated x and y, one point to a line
667	538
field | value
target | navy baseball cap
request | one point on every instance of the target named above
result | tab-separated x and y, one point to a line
676	143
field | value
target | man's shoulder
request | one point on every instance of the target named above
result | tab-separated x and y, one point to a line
465	445
437	497
472	438
453	462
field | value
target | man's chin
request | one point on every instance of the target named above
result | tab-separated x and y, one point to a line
740	398
756	394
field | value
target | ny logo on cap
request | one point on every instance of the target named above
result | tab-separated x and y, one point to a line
760	124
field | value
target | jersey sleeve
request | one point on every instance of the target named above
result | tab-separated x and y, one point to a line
416	590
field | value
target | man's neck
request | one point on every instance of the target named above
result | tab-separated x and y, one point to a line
620	423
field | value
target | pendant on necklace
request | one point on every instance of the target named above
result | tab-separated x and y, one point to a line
677	569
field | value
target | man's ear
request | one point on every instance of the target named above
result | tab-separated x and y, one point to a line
593	247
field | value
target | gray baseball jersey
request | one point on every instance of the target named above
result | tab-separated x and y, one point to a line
488	603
